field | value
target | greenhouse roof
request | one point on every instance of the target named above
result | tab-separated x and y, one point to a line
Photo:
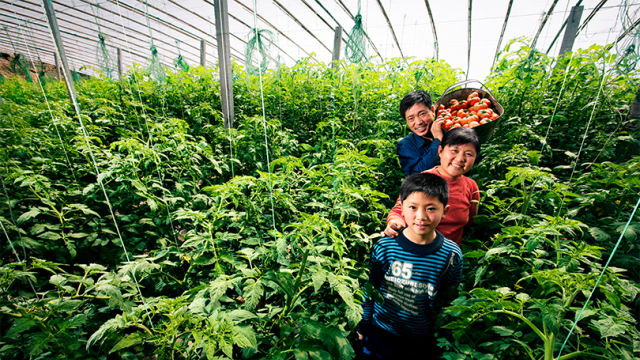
301	28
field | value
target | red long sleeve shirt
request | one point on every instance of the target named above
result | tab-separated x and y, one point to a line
463	199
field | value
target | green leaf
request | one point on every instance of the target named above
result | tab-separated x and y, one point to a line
598	234
20	325
320	355
502	331
300	354
475	254
243	336
318	277
84	208
115	296
57	279
210	348
523	297
496	251
49	235
585	314
241	315
252	292
28	215
129	340
226	346
138	185
613	298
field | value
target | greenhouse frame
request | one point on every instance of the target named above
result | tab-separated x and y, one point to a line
320	179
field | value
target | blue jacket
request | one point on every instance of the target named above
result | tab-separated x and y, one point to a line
417	154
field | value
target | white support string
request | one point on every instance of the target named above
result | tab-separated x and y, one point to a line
593	110
555	109
264	124
53	118
76	107
19	236
156	157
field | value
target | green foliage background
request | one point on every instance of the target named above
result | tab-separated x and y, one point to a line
225	261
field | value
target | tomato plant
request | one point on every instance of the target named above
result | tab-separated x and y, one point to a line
234	256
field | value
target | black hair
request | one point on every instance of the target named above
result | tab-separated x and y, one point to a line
461	136
429	184
412	98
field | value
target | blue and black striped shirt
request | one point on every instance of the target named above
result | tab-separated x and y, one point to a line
409	276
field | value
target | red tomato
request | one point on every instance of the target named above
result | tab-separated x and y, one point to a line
452	103
462	113
463	105
481	106
494	116
455	126
485	114
474	124
447	124
484	121
473	101
473	95
473	118
486	101
466	125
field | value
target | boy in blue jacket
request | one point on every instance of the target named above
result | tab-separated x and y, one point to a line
409	271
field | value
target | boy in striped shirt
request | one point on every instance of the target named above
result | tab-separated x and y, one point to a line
409	271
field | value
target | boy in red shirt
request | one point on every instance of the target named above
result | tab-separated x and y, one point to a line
457	153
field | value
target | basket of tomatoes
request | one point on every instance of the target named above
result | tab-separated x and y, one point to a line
469	107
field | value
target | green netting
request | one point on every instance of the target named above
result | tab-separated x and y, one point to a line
43	76
355	49
257	52
180	62
628	48
105	61
155	68
20	66
76	76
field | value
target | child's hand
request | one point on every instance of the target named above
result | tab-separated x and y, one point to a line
393	225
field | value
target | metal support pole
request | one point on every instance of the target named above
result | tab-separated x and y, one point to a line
57	40
572	26
203	53
221	12
564	25
119	55
55	60
337	43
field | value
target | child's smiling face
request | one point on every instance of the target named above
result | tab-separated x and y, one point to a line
422	214
456	160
